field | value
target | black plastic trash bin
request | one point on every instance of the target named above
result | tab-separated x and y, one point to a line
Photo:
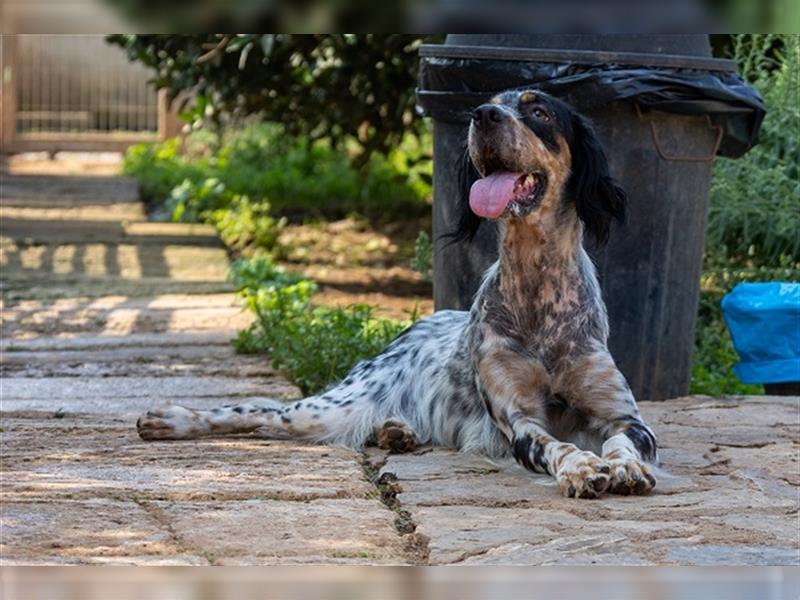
663	109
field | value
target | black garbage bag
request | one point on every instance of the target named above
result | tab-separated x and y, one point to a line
450	87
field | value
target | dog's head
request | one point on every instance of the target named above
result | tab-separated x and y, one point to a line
531	154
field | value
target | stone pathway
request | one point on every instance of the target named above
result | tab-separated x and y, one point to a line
105	315
727	494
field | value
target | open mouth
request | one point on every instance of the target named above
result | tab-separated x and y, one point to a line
501	192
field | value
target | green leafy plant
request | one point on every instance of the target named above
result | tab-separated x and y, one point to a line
314	345
158	168
754	216
188	201
247	227
297	176
423	255
341	87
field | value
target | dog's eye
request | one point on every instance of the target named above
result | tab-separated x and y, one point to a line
540	114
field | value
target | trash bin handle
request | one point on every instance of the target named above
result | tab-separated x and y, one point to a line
673	157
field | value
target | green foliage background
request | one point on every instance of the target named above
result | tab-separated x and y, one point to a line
754	219
339	87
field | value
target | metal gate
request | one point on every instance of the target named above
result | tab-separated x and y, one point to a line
76	92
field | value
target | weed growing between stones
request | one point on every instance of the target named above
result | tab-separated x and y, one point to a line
315	345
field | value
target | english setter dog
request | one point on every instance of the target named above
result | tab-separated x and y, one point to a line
526	372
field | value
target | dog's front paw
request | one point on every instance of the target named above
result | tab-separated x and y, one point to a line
169	423
583	475
630	476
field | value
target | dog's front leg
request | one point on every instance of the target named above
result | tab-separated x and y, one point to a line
598	389
515	389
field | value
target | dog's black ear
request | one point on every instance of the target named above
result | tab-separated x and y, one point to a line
598	197
467	222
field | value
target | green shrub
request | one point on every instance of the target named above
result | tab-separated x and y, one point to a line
314	345
297	176
252	275
754	216
189	200
160	167
247	227
339	86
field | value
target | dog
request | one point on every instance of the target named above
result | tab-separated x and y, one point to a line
526	372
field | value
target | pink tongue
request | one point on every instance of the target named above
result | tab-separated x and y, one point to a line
489	196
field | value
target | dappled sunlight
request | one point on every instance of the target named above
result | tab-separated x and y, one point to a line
94	260
191	263
120	315
100	164
30	258
121	321
62	259
104	214
129	265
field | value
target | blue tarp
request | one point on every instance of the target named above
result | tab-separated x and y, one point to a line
764	323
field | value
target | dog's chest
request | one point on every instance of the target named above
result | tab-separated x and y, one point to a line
547	323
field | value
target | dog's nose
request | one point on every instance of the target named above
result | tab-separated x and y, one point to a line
487	114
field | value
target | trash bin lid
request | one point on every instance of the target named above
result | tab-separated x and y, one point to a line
578	57
454	79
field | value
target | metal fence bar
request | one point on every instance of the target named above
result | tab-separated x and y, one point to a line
8	91
79	84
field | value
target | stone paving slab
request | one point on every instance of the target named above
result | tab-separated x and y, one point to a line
104	316
319	531
144	361
81	459
96	528
79	232
110	211
124	316
46	190
228	501
721	499
132	395
70	342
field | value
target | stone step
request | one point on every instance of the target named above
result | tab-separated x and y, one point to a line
145	361
98	269
125	317
118	211
95	288
42	190
124	261
110	343
130	396
37	231
161	301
